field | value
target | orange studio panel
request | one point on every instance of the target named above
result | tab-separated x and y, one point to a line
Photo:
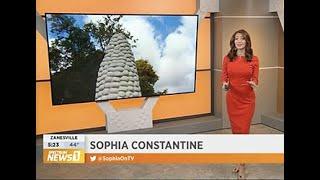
117	6
42	62
203	59
51	119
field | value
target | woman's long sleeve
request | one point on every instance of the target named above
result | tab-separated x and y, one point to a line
255	73
224	75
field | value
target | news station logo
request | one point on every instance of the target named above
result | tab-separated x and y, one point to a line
63	156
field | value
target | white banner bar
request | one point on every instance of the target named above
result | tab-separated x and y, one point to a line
63	141
63	138
184	143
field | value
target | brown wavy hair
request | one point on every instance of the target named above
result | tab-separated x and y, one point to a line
248	50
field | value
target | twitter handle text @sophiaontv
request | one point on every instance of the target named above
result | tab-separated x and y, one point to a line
113	158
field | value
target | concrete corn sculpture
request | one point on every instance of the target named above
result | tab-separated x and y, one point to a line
117	77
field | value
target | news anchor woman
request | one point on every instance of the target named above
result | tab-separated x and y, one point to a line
240	71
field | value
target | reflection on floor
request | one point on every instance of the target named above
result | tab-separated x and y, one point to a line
160	171
254	129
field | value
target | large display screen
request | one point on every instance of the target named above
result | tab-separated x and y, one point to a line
117	56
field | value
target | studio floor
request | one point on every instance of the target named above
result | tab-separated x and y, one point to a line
159	171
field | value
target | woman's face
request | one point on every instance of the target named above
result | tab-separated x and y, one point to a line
239	41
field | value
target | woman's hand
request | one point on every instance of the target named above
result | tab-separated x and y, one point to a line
252	84
225	86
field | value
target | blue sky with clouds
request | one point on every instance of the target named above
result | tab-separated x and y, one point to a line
163	25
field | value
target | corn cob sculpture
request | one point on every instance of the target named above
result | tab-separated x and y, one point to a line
117	77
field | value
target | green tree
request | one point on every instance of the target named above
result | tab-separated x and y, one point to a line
74	60
72	43
55	58
103	31
162	92
147	77
61	25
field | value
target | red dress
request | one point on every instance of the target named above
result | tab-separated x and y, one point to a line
240	97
